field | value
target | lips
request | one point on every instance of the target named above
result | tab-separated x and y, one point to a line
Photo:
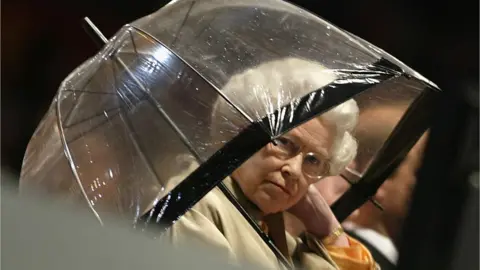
281	187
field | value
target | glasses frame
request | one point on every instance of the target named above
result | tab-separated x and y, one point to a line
300	149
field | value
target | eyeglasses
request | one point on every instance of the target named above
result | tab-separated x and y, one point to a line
314	166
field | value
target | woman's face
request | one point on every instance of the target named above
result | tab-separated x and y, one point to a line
275	182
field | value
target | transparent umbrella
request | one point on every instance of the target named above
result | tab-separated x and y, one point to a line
128	120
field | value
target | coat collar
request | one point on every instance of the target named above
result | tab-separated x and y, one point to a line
237	192
273	225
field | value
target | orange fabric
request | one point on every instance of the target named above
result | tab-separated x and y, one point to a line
354	257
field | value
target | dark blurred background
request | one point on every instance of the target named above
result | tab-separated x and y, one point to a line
43	41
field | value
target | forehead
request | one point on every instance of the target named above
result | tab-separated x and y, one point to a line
314	134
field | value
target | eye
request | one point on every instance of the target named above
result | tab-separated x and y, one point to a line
311	160
314	166
285	146
282	141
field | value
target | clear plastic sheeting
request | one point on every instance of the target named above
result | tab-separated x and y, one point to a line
223	38
128	122
381	109
116	115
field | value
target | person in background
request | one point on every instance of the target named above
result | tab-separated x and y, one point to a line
376	229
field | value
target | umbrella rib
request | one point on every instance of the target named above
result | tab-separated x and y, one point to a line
126	119
66	149
134	138
205	28
183	23
70	159
129	103
133	42
200	75
91	117
158	108
67	117
92	128
88	92
154	104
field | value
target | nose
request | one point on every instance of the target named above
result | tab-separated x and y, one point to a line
292	169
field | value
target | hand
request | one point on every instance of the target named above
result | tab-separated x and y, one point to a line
317	216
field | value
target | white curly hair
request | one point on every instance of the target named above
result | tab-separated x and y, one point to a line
261	90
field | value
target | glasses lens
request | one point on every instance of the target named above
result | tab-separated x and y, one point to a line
315	166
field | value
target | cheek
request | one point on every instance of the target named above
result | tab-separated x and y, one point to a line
251	173
394	197
302	190
402	184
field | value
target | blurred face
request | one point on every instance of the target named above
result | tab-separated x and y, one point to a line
396	192
277	176
375	124
394	195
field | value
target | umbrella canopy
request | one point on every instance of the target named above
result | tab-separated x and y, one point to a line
127	121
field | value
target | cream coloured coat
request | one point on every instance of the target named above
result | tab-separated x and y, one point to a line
215	221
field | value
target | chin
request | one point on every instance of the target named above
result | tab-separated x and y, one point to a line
264	206
267	204
269	209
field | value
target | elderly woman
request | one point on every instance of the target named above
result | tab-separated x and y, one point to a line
377	229
278	178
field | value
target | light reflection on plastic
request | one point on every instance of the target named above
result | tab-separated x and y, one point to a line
163	55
